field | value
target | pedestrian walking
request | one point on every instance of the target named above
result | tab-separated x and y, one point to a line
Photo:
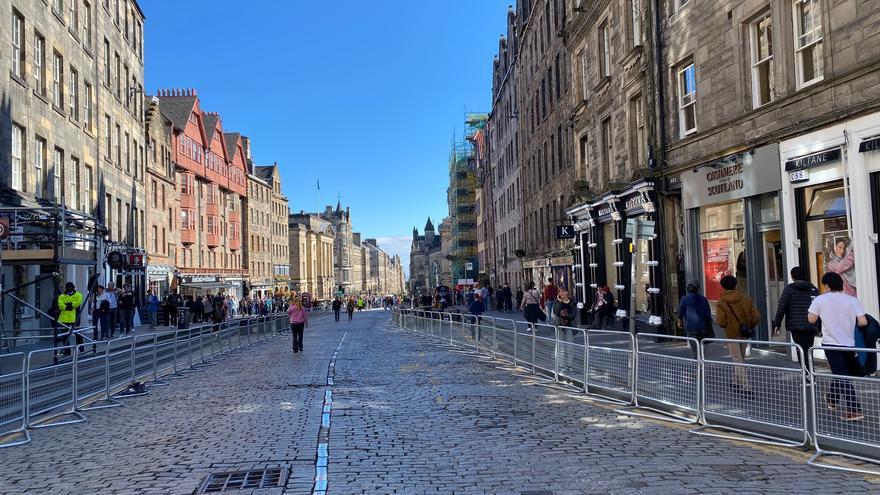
548	298
604	310
840	314
738	316
695	316
113	300
519	297
126	309
152	308
101	313
337	306
531	305
507	298
794	304
299	320
69	303
564	308
477	307
350	308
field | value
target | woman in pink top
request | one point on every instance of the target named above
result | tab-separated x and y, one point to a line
299	319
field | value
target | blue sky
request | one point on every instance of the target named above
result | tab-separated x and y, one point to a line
363	96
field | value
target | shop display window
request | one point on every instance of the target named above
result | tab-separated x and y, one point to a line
610	257
723	245
828	236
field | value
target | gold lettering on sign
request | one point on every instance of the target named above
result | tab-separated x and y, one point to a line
725	180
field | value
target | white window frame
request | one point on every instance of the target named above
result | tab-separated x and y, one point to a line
18	134
604	50
803	41
756	63
87	24
57	167
39	64
39	165
74	93
17	44
86	198
636	22
58	80
87	105
686	100
73	182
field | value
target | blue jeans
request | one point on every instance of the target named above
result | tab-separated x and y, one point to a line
550	315
844	363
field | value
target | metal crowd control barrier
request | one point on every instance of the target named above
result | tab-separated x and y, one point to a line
833	396
544	341
571	357
667	378
50	387
505	335
13	424
758	397
610	365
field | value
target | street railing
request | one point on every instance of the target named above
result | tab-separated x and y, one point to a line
54	386
765	397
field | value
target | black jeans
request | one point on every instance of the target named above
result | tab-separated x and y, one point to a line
349	315
844	363
297	330
805	341
336	313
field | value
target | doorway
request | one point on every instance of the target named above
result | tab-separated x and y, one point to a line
774	274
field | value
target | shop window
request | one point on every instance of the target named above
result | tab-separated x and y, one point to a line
610	257
722	240
829	240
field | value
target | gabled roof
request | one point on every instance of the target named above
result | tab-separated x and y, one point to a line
264	171
210	125
177	107
232	139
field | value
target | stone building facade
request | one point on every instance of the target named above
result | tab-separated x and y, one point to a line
73	107
311	255
502	176
613	114
545	150
258	236
163	202
278	220
772	112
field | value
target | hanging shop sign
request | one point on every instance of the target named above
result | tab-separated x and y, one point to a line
738	176
539	263
872	144
565	231
199	279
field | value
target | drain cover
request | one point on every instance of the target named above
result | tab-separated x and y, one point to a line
244	480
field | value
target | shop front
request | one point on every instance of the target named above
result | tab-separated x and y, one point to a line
159	279
733	227
200	285
831	193
618	251
536	270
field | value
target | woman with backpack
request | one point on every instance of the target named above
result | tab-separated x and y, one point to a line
738	316
531	305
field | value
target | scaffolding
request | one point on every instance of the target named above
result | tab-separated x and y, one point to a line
462	196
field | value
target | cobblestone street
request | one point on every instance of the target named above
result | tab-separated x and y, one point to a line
407	417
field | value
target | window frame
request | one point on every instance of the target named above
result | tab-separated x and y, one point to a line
19	61
73	93
800	49
58	80
755	63
40	146
604	51
39	64
680	104
18	162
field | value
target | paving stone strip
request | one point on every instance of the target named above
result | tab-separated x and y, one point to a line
323	454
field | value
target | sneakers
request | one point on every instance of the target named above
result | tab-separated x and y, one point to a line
830	403
852	416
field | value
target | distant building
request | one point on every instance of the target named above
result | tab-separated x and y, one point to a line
311	241
278	221
428	264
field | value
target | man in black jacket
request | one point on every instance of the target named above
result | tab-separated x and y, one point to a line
793	306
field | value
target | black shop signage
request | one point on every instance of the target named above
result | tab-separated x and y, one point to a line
812	160
200	279
565	231
872	144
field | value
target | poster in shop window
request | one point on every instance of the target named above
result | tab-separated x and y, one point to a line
839	257
716	264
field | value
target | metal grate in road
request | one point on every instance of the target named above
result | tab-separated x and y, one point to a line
244	480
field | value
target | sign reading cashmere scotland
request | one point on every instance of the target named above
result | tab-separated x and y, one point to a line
735	177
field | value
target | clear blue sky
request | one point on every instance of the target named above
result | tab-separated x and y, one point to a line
364	96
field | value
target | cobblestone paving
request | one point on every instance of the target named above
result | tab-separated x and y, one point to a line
408	417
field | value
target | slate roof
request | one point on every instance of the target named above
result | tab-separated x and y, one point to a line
177	109
231	143
264	172
210	125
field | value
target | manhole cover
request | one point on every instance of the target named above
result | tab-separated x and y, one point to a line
244	480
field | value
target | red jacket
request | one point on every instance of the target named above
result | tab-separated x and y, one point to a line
550	293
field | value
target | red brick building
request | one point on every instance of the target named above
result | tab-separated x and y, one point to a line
212	184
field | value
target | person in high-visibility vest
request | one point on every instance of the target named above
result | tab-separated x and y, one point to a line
68	307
